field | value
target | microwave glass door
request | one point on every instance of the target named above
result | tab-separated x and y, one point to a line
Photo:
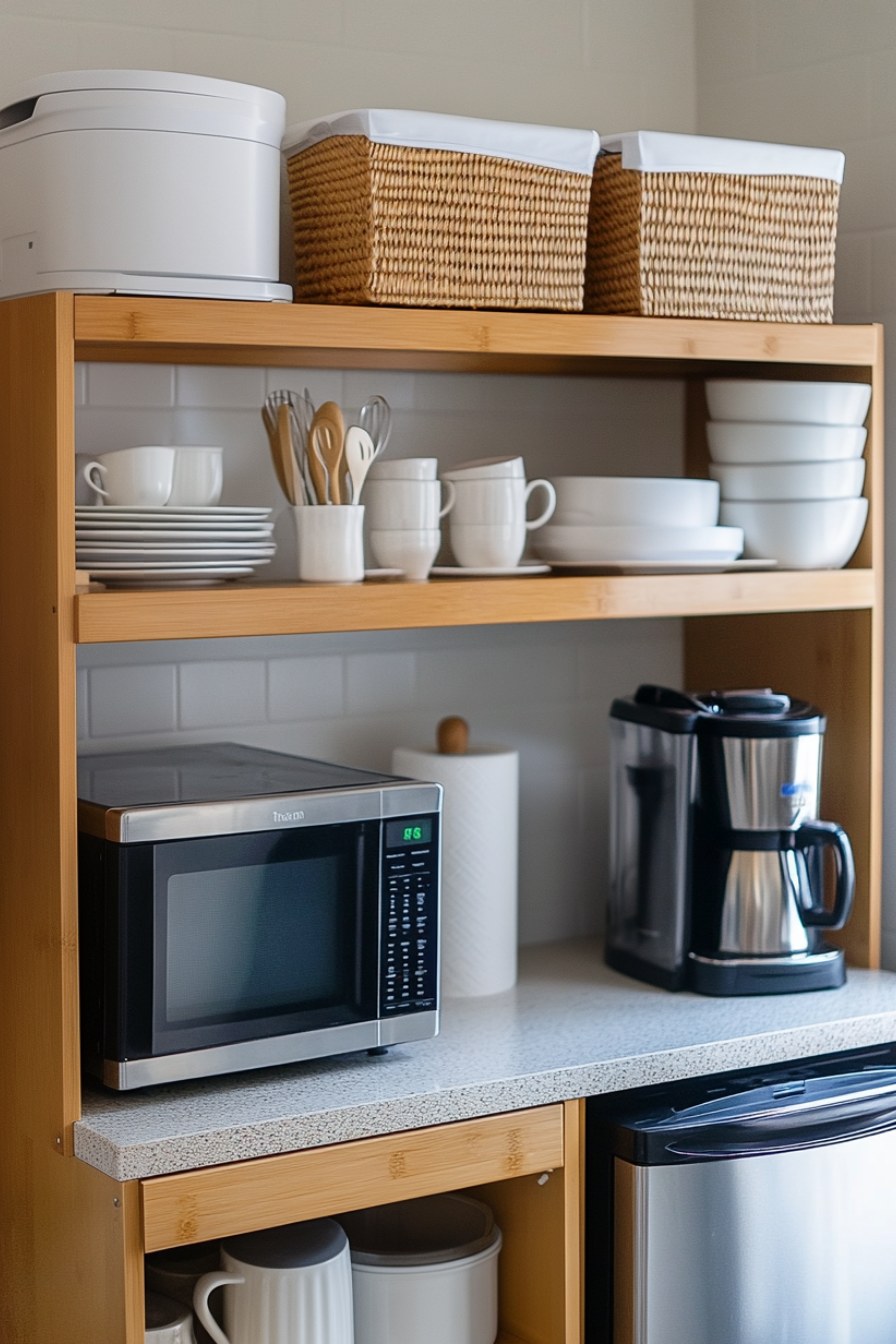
263	934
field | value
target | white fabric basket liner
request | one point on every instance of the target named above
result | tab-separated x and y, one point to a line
572	151
668	152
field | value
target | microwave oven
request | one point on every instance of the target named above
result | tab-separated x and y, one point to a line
239	908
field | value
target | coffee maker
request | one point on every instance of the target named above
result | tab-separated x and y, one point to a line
717	864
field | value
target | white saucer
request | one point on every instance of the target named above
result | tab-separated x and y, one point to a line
150	513
125	552
86	532
486	572
720	566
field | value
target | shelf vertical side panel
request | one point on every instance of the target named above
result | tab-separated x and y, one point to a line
832	660
38	895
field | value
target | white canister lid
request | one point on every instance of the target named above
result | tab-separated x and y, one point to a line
435	1229
294	1246
142	100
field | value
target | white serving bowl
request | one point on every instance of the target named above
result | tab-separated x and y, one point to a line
791	480
793	402
592	545
799	534
740	443
640	501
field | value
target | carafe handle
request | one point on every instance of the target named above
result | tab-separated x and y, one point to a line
201	1293
820	834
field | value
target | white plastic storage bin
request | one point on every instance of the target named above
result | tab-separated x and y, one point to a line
141	182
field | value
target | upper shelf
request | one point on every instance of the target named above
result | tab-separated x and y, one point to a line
305	335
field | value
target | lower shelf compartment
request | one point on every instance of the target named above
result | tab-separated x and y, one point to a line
524	1165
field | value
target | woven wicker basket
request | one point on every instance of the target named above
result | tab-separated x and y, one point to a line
389	224
699	244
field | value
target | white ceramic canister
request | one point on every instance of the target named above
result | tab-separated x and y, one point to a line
479	853
285	1285
425	1271
141	182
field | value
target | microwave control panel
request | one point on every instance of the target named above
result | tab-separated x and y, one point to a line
409	941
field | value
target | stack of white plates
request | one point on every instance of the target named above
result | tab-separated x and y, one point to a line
636	524
788	459
133	546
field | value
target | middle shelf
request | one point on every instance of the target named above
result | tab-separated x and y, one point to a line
281	609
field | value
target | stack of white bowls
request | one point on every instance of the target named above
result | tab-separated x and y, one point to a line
636	523
788	459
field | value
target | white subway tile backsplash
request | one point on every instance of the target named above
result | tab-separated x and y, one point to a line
323	384
127	386
128	700
222	694
305	688
203	386
377	683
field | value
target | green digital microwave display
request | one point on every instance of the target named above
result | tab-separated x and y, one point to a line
409	831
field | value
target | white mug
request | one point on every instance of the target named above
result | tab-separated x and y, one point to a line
407	504
329	542
198	477
411	549
404	469
488	525
167	1321
486	469
132	476
286	1285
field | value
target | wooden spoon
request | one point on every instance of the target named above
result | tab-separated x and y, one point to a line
327	441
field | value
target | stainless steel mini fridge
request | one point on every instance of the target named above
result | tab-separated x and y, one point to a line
757	1208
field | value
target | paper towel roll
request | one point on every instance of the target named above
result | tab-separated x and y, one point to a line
480	811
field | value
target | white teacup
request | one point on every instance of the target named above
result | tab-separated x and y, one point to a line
488	525
412	550
485	468
167	1321
330	542
407	503
500	500
283	1285
404	469
132	476
198	476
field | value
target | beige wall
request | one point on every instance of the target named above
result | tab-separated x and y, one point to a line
820	72
594	63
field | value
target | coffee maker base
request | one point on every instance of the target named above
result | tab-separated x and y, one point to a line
723	976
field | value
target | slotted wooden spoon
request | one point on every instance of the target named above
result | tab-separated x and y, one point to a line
327	443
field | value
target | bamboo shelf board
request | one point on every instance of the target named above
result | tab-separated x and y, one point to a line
221	331
282	609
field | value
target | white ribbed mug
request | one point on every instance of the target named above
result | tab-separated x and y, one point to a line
281	1286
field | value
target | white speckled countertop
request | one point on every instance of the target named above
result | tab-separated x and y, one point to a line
570	1028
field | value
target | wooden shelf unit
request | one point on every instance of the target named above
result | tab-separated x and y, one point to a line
71	1251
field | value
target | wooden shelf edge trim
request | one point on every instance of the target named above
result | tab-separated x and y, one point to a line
125	321
281	609
263	1192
